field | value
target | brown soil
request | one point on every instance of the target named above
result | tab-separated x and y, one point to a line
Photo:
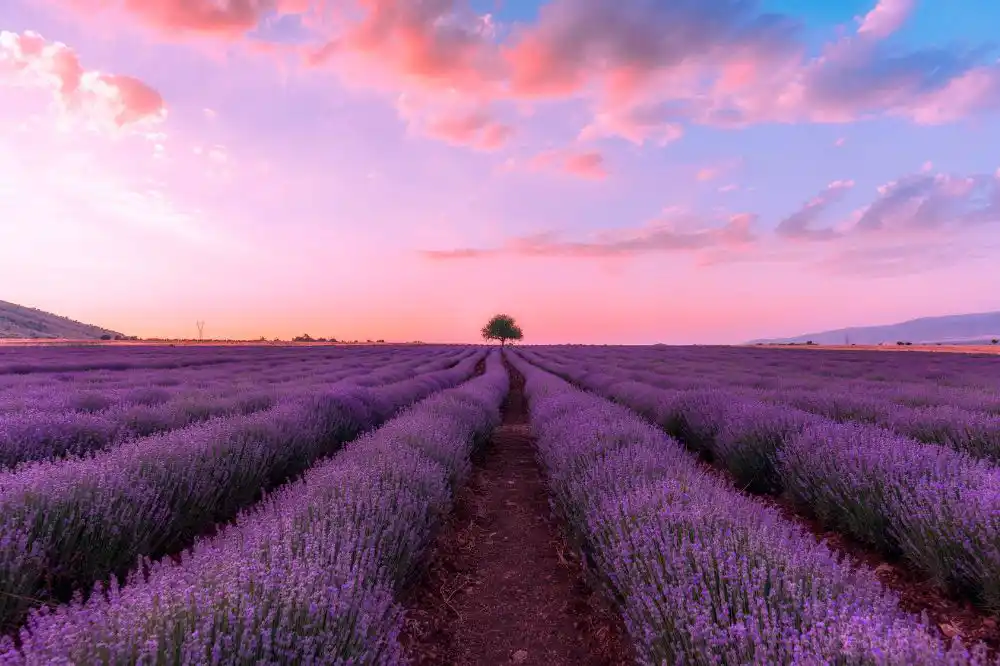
501	585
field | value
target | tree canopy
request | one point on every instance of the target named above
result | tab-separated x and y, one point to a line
502	327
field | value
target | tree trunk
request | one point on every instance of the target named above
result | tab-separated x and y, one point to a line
502	341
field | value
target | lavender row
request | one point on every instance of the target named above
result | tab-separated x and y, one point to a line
937	507
26	360
309	576
41	435
68	523
70	420
777	368
703	574
78	393
974	432
274	370
803	382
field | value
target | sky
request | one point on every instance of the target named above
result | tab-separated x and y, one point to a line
606	171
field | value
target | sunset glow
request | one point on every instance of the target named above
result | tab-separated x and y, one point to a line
607	171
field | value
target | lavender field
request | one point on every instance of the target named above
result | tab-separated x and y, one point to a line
661	460
282	505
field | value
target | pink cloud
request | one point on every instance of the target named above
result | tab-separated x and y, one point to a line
926	201
666	64
440	57
886	18
646	69
588	164
674	233
638	125
911	215
431	44
114	99
471	129
577	43
391	44
975	91
714	171
454	121
799	225
913	205
231	18
840	142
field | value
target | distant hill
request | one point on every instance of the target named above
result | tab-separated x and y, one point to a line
955	329
17	321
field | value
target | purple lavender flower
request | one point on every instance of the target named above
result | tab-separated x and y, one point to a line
701	573
308	575
90	517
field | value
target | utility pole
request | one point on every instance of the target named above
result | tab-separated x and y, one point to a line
201	329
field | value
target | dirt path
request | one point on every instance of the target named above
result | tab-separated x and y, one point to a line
499	588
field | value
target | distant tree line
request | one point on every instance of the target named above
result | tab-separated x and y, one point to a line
305	337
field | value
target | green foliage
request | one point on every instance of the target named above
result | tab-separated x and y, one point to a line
503	328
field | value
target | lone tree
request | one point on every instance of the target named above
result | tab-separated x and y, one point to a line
503	328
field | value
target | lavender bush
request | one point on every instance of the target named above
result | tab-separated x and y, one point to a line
749	438
976	433
937	507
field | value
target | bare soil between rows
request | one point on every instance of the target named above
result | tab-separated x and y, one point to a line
502	586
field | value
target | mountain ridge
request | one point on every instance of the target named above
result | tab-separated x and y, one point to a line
977	327
18	321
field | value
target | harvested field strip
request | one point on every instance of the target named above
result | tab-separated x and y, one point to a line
72	523
950	610
503	586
